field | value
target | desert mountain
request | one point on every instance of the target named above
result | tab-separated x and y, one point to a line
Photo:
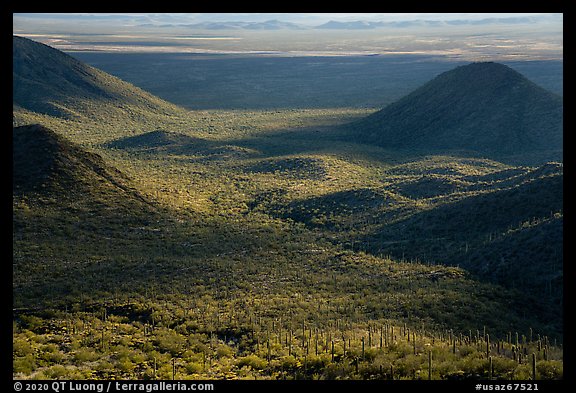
46	164
485	108
48	81
356	25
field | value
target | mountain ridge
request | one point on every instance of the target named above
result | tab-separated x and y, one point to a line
296	23
48	81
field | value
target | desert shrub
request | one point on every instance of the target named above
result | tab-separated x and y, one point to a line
474	365
169	341
503	368
446	369
31	322
50	354
84	355
317	362
338	371
21	347
224	351
549	370
104	367
194	367
57	372
409	366
252	361
125	365
24	365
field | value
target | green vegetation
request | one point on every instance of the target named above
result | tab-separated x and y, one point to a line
240	245
190	337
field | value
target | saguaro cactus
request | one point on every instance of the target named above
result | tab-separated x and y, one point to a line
429	365
332	350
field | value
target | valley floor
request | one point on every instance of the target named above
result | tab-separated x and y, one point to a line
260	244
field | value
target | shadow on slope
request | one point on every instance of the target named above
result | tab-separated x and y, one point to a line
333	211
511	236
294	167
79	228
49	165
481	214
530	256
166	142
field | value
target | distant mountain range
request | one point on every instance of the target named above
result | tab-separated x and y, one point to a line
485	108
267	25
361	24
345	25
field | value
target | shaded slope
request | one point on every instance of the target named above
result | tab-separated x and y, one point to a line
509	233
155	139
48	81
333	210
43	76
294	167
92	240
429	186
46	165
165	143
485	108
503	224
68	205
530	256
481	214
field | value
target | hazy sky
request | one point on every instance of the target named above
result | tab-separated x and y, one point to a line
304	18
